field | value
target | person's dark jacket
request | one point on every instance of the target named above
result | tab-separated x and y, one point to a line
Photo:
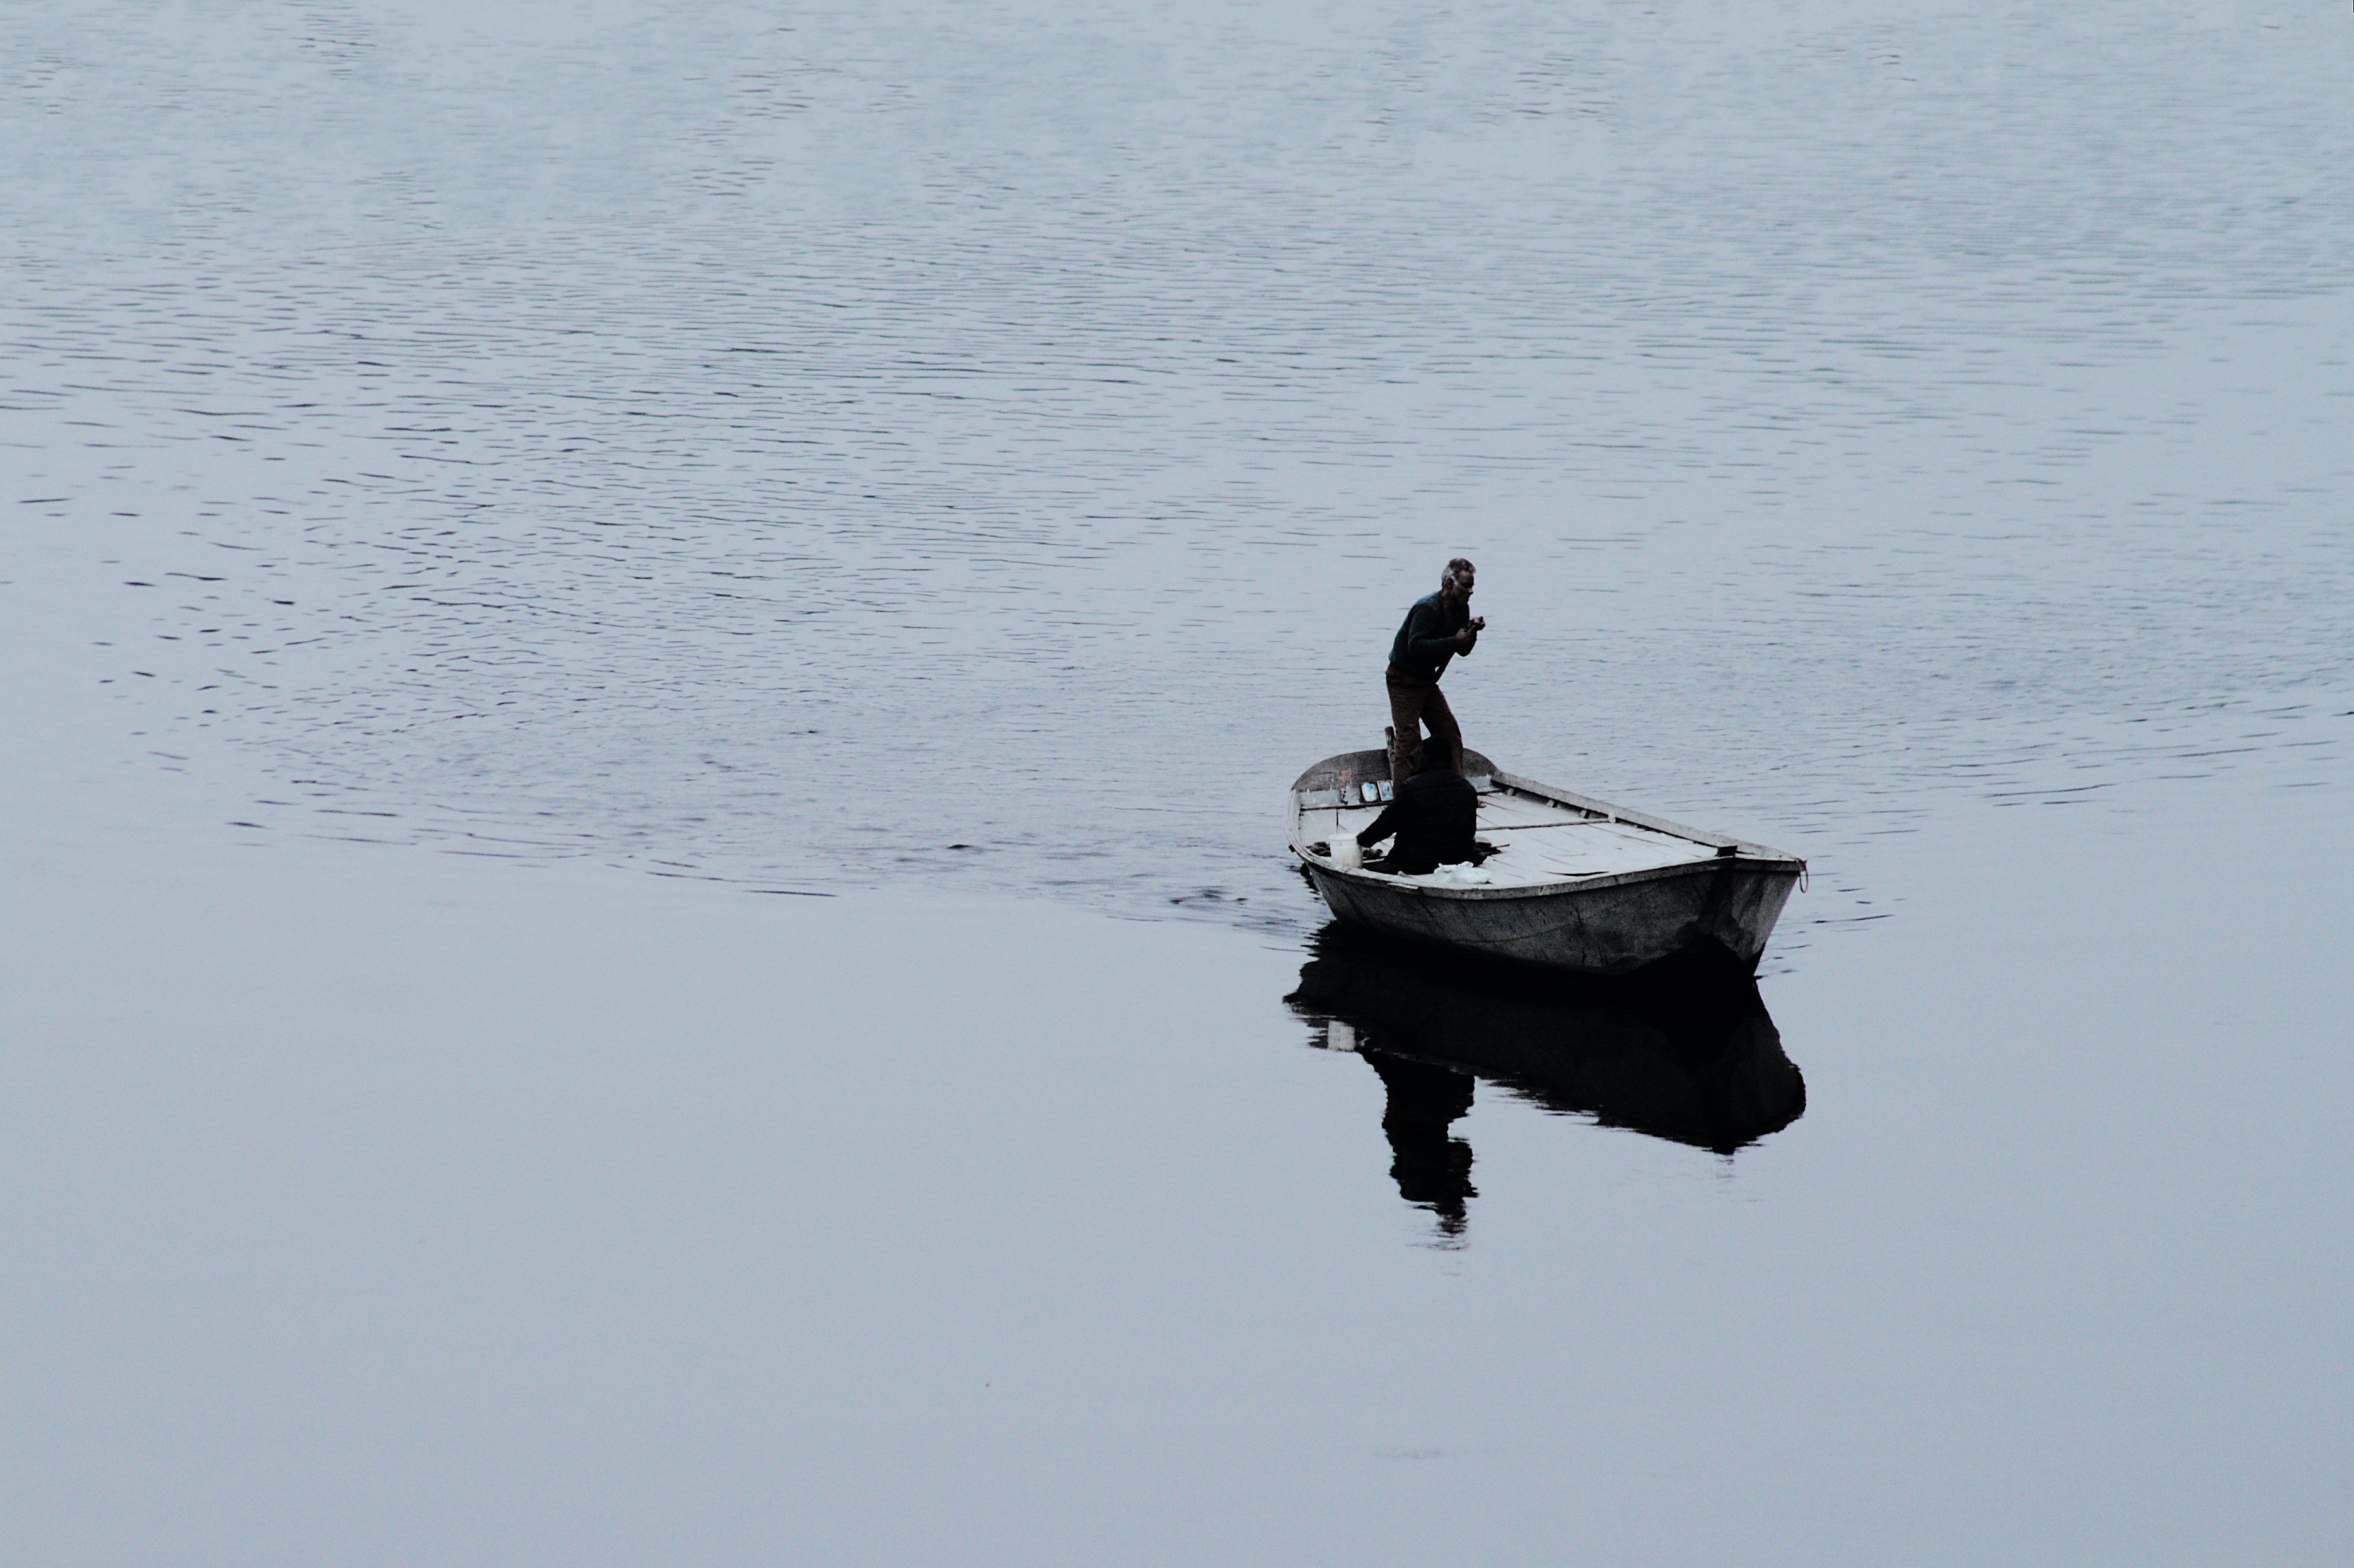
1427	640
1434	817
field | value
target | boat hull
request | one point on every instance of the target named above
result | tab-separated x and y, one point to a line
1609	922
1625	925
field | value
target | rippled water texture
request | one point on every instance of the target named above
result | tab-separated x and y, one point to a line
968	445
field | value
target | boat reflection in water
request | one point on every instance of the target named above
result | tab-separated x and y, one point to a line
1687	1054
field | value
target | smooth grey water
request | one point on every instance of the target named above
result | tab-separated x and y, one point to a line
980	455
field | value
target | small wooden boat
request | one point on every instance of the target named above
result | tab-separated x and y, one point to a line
1569	883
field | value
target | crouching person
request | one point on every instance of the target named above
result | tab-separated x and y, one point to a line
1434	816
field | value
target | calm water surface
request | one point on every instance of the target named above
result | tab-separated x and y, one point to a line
984	451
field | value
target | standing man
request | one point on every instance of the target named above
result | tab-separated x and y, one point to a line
1437	628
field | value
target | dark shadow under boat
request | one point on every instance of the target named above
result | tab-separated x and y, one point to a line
1684	1051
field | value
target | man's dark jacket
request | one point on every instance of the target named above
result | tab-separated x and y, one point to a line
1427	641
1434	817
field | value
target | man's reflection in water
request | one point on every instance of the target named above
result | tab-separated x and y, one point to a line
1431	1166
1685	1053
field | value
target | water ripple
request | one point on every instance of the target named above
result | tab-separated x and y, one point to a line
995	452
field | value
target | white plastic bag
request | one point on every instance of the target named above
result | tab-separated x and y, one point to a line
1461	874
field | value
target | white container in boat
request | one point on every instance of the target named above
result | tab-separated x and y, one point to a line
1347	853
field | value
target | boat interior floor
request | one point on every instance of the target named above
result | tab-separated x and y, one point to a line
1537	841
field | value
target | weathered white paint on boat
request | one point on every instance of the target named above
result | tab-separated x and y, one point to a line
1577	883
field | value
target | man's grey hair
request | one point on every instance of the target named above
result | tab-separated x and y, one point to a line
1456	567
